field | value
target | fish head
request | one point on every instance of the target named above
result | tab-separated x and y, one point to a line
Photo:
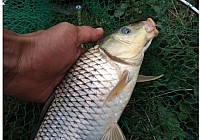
131	41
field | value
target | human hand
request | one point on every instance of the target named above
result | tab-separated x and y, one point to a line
35	63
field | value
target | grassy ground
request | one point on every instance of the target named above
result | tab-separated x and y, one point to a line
165	109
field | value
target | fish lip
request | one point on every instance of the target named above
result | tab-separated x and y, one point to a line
150	27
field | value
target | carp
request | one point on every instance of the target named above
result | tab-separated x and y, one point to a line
89	101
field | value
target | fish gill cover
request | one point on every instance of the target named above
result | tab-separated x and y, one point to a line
164	109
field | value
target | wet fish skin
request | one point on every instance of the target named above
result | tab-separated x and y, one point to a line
91	98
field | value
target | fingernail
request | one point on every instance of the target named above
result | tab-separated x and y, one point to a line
99	28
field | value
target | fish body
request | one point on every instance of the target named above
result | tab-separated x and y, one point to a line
92	96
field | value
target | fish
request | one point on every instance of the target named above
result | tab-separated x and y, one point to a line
89	101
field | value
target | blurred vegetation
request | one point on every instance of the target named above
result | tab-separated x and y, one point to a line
165	109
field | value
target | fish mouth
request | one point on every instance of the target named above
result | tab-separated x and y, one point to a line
150	27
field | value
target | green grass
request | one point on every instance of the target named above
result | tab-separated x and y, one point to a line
165	109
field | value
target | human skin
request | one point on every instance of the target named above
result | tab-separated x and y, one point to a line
35	63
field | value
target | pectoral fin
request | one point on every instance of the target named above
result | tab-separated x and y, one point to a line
42	115
143	78
114	133
119	87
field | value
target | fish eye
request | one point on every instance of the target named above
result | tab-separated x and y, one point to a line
125	30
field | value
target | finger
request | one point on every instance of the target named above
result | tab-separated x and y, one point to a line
89	34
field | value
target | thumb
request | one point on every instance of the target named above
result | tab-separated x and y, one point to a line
88	34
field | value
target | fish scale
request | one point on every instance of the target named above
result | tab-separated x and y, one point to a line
87	108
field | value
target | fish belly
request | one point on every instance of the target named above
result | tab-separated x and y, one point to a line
78	111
